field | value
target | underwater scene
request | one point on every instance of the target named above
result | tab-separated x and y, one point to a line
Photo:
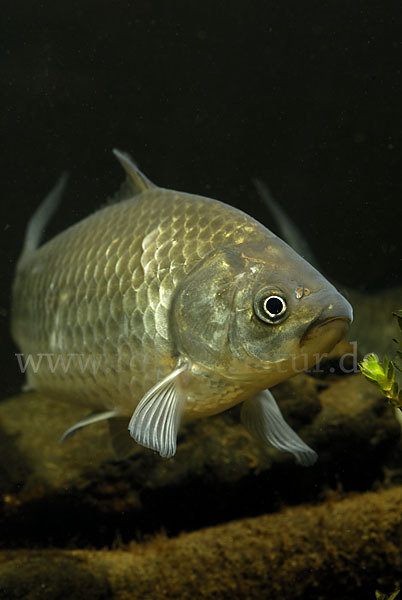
201	300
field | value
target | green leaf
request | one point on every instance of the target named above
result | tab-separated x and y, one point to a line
398	316
371	368
394	390
390	373
393	396
382	596
386	364
383	375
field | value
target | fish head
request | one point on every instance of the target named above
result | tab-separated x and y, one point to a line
258	311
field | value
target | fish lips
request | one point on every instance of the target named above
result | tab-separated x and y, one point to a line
333	327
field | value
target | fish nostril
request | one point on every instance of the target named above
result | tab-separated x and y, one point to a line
301	291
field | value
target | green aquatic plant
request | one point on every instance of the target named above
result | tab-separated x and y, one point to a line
383	375
381	596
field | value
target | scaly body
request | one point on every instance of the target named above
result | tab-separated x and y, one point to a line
96	298
161	284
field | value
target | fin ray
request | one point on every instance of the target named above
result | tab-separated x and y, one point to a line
94	417
156	419
289	231
262	417
41	217
136	182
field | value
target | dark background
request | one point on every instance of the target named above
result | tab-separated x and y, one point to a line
206	95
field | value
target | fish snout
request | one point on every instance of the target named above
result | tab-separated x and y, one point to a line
336	318
338	308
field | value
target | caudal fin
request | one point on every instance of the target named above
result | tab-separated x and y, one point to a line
41	217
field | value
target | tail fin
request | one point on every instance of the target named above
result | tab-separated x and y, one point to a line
41	217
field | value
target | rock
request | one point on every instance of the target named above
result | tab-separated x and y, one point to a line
341	549
54	493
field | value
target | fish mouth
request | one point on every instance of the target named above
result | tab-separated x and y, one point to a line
337	326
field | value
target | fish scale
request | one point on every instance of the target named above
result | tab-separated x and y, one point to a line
120	265
156	308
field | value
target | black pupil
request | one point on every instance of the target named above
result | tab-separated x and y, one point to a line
274	306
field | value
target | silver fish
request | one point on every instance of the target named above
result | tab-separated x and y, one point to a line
187	306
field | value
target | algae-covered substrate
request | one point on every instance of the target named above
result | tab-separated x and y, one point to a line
223	519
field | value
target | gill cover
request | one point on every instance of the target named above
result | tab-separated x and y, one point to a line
202	307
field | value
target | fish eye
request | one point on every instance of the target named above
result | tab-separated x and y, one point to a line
270	307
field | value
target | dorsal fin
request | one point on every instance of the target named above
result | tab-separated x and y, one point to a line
288	230
136	182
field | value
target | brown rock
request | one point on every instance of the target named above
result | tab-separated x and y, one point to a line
341	549
218	471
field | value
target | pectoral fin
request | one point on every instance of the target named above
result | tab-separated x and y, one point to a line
88	420
262	418
156	420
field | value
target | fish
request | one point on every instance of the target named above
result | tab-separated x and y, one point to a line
289	232
164	307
